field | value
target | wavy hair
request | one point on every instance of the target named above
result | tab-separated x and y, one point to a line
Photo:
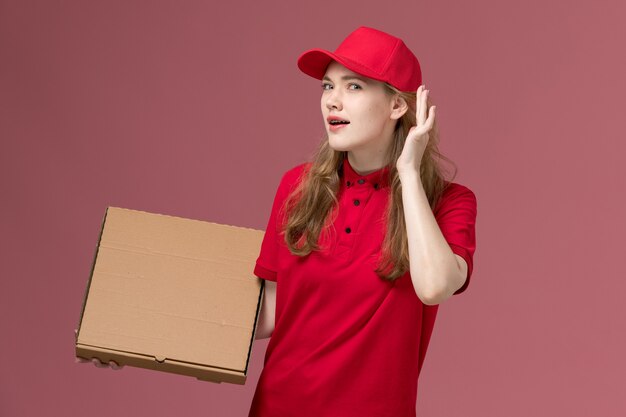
311	207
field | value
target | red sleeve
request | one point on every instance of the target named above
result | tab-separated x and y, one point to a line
267	263
456	216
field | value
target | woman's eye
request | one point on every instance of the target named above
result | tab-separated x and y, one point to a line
356	86
326	86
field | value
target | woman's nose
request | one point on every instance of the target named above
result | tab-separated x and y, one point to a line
333	100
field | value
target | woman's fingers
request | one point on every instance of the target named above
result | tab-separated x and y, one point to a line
431	117
112	364
418	104
98	364
423	107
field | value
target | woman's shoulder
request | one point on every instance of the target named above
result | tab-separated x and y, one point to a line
455	193
295	173
291	178
456	188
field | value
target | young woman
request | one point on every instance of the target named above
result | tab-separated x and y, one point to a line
362	243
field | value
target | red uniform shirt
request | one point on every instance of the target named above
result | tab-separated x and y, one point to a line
347	343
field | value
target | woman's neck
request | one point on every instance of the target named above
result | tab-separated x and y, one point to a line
365	164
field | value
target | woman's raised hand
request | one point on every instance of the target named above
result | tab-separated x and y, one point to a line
411	157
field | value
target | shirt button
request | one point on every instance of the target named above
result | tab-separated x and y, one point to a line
361	181
357	202
376	186
348	183
348	230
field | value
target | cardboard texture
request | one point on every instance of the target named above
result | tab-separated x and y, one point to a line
172	294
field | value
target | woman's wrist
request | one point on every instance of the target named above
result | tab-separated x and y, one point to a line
410	176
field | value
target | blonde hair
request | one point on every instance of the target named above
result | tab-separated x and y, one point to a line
309	208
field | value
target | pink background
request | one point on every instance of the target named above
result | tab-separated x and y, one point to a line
195	109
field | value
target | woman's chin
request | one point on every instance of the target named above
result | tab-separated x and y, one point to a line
337	146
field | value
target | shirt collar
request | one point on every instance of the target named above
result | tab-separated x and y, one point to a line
377	179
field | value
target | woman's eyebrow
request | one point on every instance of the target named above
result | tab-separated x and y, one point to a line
347	77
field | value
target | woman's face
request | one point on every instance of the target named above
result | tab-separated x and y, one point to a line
361	102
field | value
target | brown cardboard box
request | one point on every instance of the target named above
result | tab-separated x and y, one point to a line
172	294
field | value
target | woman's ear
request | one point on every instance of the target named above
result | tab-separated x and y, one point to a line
399	107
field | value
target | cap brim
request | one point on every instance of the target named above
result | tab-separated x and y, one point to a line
315	61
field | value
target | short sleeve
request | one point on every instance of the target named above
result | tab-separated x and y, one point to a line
266	266
456	217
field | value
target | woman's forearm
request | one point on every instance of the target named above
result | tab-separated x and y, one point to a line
434	268
265	327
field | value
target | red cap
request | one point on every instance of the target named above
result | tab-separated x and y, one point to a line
369	52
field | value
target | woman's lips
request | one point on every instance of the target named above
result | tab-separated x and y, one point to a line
336	127
338	122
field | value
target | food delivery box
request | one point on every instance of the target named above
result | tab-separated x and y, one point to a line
172	294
